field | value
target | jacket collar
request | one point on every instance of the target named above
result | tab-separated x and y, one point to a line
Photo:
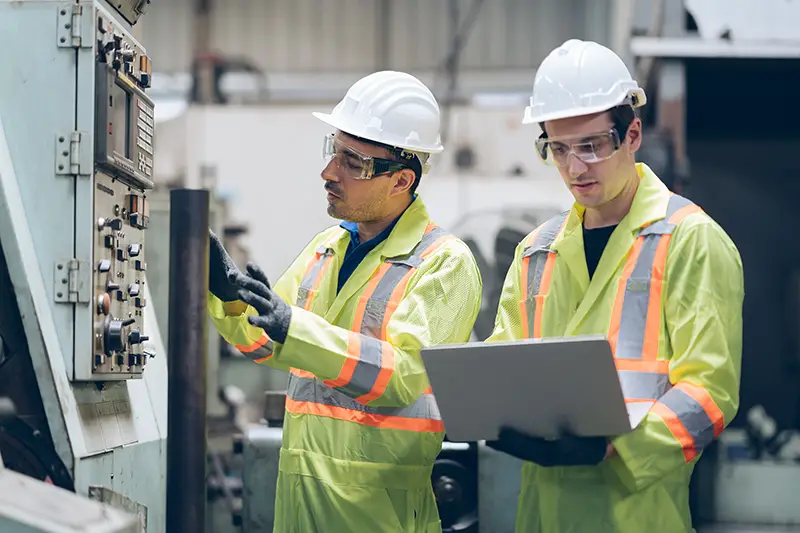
649	204
405	235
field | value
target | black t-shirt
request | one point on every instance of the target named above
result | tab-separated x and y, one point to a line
594	242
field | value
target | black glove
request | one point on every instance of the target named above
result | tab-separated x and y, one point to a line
274	315
568	450
220	269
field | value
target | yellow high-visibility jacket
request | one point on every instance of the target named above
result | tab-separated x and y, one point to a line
668	294
362	429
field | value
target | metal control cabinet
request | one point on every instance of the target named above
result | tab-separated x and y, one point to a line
76	166
124	127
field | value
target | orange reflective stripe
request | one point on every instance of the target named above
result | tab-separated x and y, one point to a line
302	373
632	365
311	396
616	314
687	410
350	363
420	425
384	375
544	287
677	429
635	325
683	212
312	277
259	351
703	399
652	327
691	416
538	262
369	363
369	366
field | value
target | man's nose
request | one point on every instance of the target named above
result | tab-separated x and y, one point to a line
329	172
575	166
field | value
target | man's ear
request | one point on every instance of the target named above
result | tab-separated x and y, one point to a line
635	134
404	180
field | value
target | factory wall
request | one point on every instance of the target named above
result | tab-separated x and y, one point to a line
365	35
268	159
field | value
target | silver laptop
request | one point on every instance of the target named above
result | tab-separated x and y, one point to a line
535	386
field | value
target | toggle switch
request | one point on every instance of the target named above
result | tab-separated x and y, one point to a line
133	289
134	249
104	266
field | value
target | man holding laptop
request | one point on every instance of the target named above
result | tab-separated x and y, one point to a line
644	267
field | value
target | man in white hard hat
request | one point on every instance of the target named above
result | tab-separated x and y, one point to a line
349	317
648	269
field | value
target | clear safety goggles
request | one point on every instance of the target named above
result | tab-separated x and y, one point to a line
354	164
592	148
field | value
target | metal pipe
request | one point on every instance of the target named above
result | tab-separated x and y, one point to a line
186	409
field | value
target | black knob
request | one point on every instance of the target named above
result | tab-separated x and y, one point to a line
136	337
114	223
113	339
447	489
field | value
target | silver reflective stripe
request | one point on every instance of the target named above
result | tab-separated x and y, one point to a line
260	352
367	369
537	254
643	385
311	277
375	310
663	226
313	390
636	300
692	416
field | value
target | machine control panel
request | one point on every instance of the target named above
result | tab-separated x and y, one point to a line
125	118
124	131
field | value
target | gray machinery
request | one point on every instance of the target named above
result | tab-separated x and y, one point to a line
81	355
21	509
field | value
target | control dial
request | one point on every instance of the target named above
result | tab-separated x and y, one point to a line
114	338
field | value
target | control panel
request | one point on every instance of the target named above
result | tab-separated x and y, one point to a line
123	157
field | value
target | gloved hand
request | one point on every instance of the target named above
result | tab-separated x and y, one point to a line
274	315
220	268
568	450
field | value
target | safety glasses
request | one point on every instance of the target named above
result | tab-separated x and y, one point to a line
354	164
592	148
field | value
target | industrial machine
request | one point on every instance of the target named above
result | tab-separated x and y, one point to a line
81	353
21	497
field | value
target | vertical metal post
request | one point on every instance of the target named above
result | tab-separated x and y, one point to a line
186	422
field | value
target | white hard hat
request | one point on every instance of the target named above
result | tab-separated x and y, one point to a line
581	78
392	108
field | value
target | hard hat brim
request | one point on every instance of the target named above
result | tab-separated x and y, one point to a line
330	120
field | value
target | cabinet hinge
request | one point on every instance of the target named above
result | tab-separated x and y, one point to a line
74	29
72	281
72	157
